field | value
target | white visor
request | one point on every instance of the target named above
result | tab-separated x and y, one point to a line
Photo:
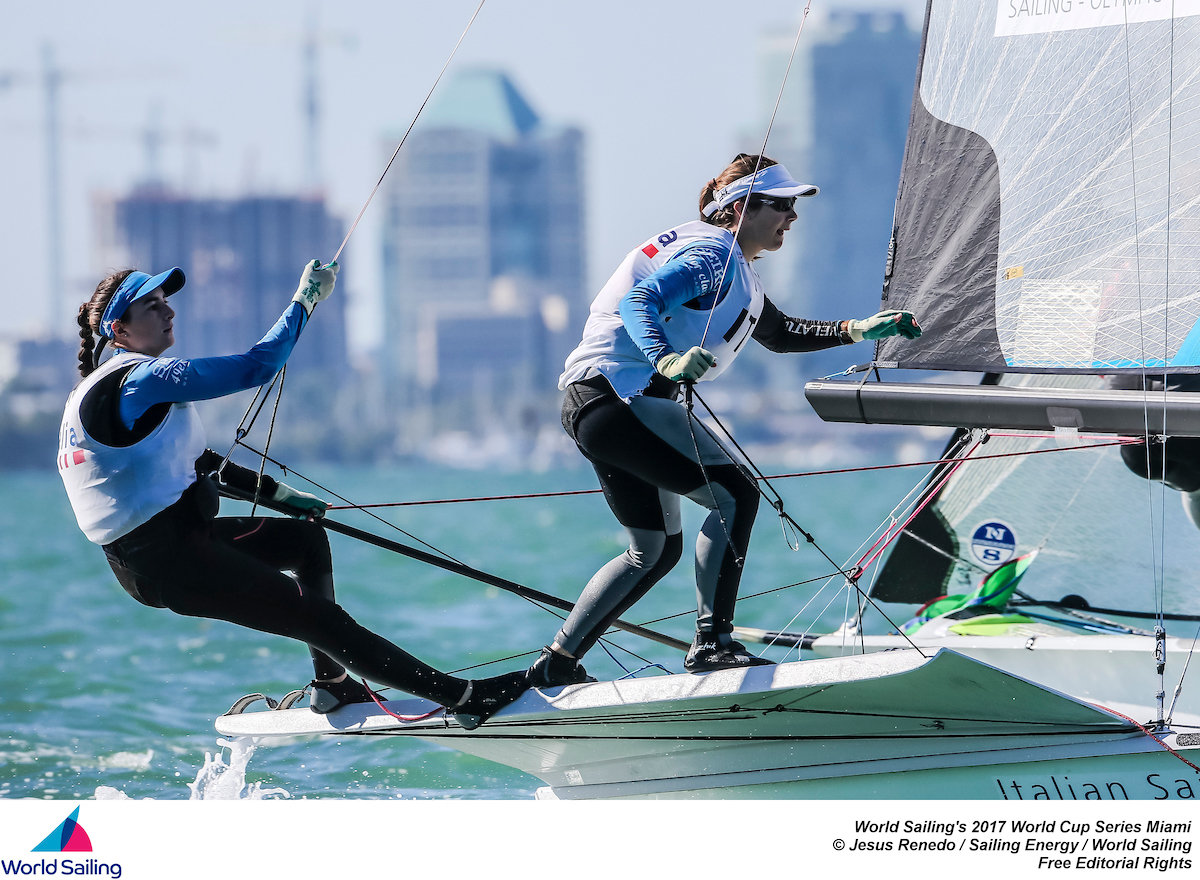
773	180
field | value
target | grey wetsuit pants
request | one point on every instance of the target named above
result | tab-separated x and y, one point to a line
644	453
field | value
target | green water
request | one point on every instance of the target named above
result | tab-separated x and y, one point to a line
97	690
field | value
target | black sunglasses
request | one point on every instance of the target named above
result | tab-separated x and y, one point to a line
780	205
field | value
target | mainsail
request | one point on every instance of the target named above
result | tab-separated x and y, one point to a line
1048	215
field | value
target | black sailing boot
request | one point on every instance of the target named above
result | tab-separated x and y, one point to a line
552	669
711	651
487	696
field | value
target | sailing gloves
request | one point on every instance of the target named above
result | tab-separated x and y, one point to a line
303	503
315	284
889	323
686	367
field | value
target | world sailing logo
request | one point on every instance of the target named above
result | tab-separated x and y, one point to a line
69	836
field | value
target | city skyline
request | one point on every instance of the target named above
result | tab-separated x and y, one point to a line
223	106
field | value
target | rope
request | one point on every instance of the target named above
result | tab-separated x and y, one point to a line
852	575
262	466
739	559
396	152
243	430
375	699
1183	675
757	165
1131	441
1146	730
349	505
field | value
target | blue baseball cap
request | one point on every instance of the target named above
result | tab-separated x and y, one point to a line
134	287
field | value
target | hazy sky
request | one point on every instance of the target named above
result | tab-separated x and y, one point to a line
660	90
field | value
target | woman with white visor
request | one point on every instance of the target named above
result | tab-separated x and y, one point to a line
141	482
658	322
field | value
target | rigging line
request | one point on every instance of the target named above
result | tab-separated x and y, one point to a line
826	577
1146	730
1160	598
243	429
379	183
916	490
851	576
242	433
1186	663
1133	441
262	466
739	558
807	630
604	641
757	163
458	568
957	559
1118	612
823	577
877	550
1137	251
329	491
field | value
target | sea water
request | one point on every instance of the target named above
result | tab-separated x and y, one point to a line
101	697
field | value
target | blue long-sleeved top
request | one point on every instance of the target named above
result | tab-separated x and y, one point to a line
174	380
690	275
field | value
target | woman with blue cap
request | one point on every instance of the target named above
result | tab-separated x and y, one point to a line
658	322
141	482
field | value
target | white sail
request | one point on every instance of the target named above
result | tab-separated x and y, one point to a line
1048	217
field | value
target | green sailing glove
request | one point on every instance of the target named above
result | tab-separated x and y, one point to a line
686	367
303	503
884	324
315	284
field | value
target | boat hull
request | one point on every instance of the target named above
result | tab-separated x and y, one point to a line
884	725
1115	671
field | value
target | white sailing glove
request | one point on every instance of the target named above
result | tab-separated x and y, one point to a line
315	284
686	367
302	502
884	324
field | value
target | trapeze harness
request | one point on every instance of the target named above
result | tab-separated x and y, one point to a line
132	456
644	446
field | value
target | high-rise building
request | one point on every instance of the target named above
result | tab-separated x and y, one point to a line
483	258
242	257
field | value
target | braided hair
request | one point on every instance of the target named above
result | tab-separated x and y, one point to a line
90	315
743	165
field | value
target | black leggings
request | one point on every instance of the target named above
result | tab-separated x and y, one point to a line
232	568
644	453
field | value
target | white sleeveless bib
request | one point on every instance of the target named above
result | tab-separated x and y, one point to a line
607	347
114	489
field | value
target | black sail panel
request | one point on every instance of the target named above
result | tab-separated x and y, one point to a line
1048	213
945	242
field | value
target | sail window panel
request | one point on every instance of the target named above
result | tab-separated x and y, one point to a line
1095	141
1056	324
